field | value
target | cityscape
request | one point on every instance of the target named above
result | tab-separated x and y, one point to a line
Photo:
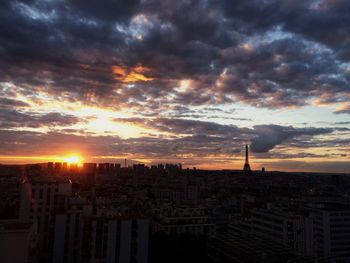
108	212
152	131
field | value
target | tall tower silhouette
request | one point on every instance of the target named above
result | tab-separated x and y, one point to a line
246	167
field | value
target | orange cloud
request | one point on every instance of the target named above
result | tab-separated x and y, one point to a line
343	107
131	75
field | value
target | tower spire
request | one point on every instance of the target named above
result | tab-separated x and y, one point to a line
246	154
246	167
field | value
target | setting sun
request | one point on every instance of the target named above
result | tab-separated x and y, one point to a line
73	159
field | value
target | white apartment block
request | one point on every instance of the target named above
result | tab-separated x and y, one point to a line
290	229
38	202
183	219
93	239
331	232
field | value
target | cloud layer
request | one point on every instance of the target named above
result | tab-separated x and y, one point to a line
267	54
181	68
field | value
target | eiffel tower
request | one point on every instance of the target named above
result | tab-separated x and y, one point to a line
246	167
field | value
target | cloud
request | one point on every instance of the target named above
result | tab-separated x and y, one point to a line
111	10
268	136
173	62
267	54
131	75
14	119
263	137
191	142
301	17
12	103
343	109
307	166
189	127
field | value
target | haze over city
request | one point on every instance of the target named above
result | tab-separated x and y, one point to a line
187	82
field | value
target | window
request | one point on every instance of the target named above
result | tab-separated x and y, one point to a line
48	196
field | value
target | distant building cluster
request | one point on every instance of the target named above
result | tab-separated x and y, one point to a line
107	212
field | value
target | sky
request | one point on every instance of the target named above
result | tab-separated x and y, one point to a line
185	81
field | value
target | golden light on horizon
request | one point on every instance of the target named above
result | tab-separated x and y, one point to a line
73	159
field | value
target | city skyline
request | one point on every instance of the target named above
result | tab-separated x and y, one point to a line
188	82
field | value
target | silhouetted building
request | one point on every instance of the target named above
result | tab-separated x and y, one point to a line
94	216
50	166
73	167
104	167
179	220
17	241
58	166
89	167
89	170
38	203
139	169
238	246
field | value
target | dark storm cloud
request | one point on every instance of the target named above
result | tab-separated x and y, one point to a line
280	73
276	155
70	47
263	137
302	166
11	103
14	118
30	143
184	139
324	21
48	45
112	10
189	127
134	55
268	136
338	143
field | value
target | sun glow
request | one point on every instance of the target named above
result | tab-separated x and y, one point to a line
73	159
